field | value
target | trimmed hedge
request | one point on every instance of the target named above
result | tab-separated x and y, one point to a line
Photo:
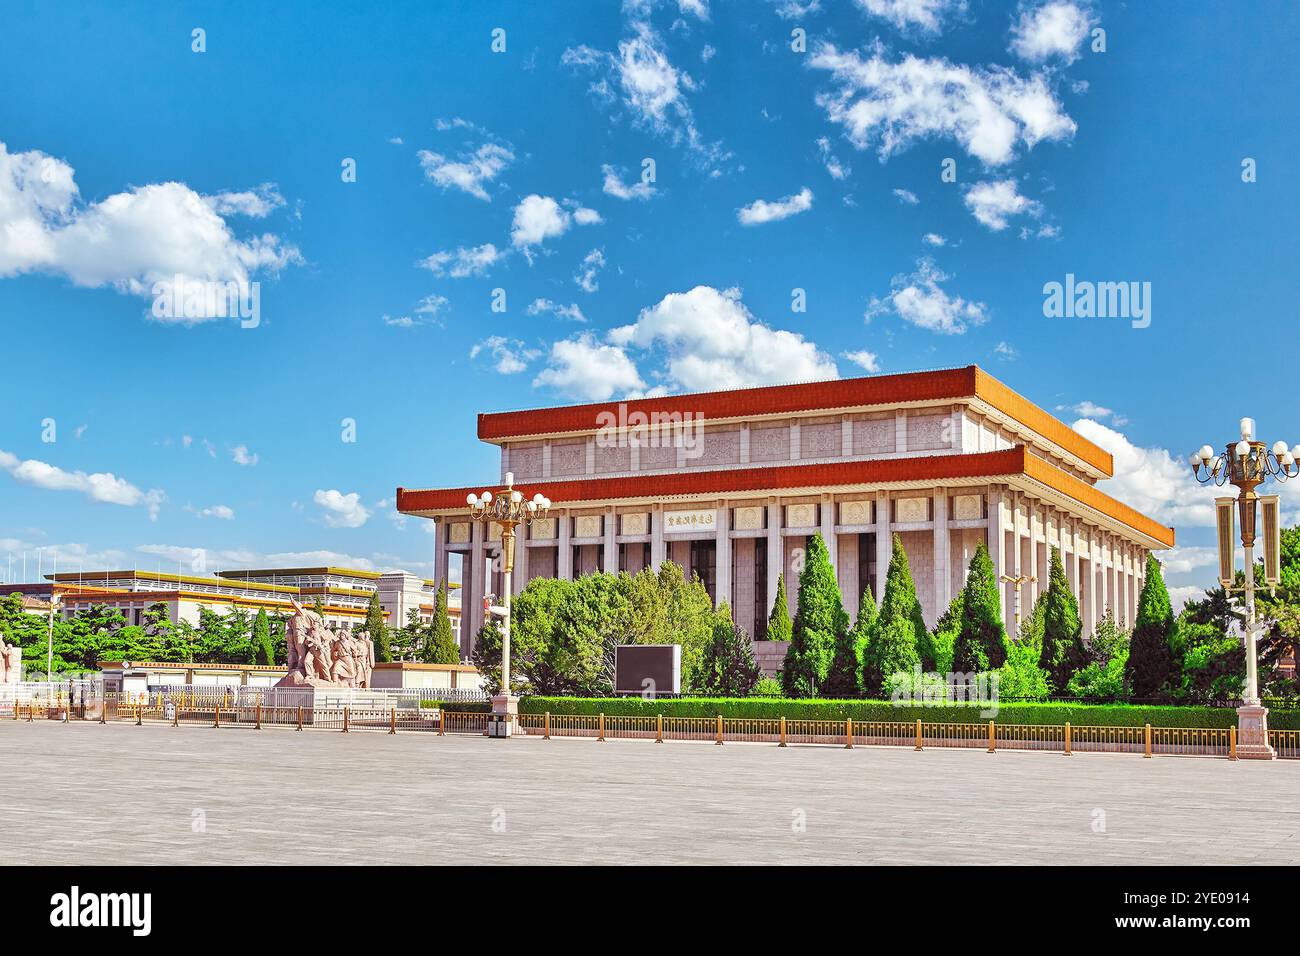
1104	715
459	706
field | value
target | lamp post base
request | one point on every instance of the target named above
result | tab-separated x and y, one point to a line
1252	733
505	710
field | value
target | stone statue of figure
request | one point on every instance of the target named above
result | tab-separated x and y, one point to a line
320	658
11	662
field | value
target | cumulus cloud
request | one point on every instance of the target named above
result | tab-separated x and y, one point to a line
868	361
989	112
589	269
761	211
614	186
464	262
927	16
1150	479
509	356
641	78
589	370
917	298
470	171
1053	30
539	218
340	510
906	197
570	313
994	203
713	341
796	9
934	239
130	241
242	456
97	486
224	512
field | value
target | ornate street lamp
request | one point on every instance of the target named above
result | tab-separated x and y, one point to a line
1247	464
507	508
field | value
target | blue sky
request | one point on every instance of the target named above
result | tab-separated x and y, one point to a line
130	158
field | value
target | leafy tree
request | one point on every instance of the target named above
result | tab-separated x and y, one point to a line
375	628
779	627
1108	640
936	649
263	648
1106	659
486	657
666	608
981	642
899	630
1062	651
819	619
1151	666
844	679
440	643
728	668
318	607
1021	676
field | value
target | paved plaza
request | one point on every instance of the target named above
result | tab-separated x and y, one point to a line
87	794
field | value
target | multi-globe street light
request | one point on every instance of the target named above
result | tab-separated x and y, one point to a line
509	509
1247	464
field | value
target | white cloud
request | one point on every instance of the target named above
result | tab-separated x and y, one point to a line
925	15
470	171
906	197
795	9
570	313
918	299
989	112
224	512
256	204
538	218
509	355
1150	479
994	202
1180	597
590	267
761	211
934	239
242	456
614	186
342	511
645	81
426	313
832	163
129	240
1055	29
713	341
1187	559
868	361
586	369
464	262
1006	351
98	486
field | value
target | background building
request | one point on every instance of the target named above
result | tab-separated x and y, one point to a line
731	484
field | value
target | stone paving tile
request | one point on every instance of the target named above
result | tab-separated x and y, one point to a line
123	794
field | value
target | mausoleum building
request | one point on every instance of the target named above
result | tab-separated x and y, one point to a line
731	484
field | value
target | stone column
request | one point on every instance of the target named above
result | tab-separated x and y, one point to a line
564	553
775	550
1117	598
611	545
520	579
656	537
722	571
942	556
827	515
998	543
440	532
884	544
1074	562
1092	581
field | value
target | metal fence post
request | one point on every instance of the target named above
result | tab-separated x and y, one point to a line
176	716
442	720
659	728
345	718
918	733
718	742
137	715
216	718
848	733
1147	735
600	728
782	743
299	727
1232	743
257	716
993	740
67	712
1067	738
103	711
392	721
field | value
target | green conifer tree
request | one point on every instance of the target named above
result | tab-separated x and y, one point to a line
1062	652
844	679
440	644
898	630
1150	670
981	644
377	630
727	668
263	648
779	627
819	619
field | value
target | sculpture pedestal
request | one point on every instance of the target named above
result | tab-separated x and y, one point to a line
501	722
1252	733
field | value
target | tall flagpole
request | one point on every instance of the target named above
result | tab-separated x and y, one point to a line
49	642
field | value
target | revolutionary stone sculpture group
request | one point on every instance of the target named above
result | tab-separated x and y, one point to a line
320	658
11	663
